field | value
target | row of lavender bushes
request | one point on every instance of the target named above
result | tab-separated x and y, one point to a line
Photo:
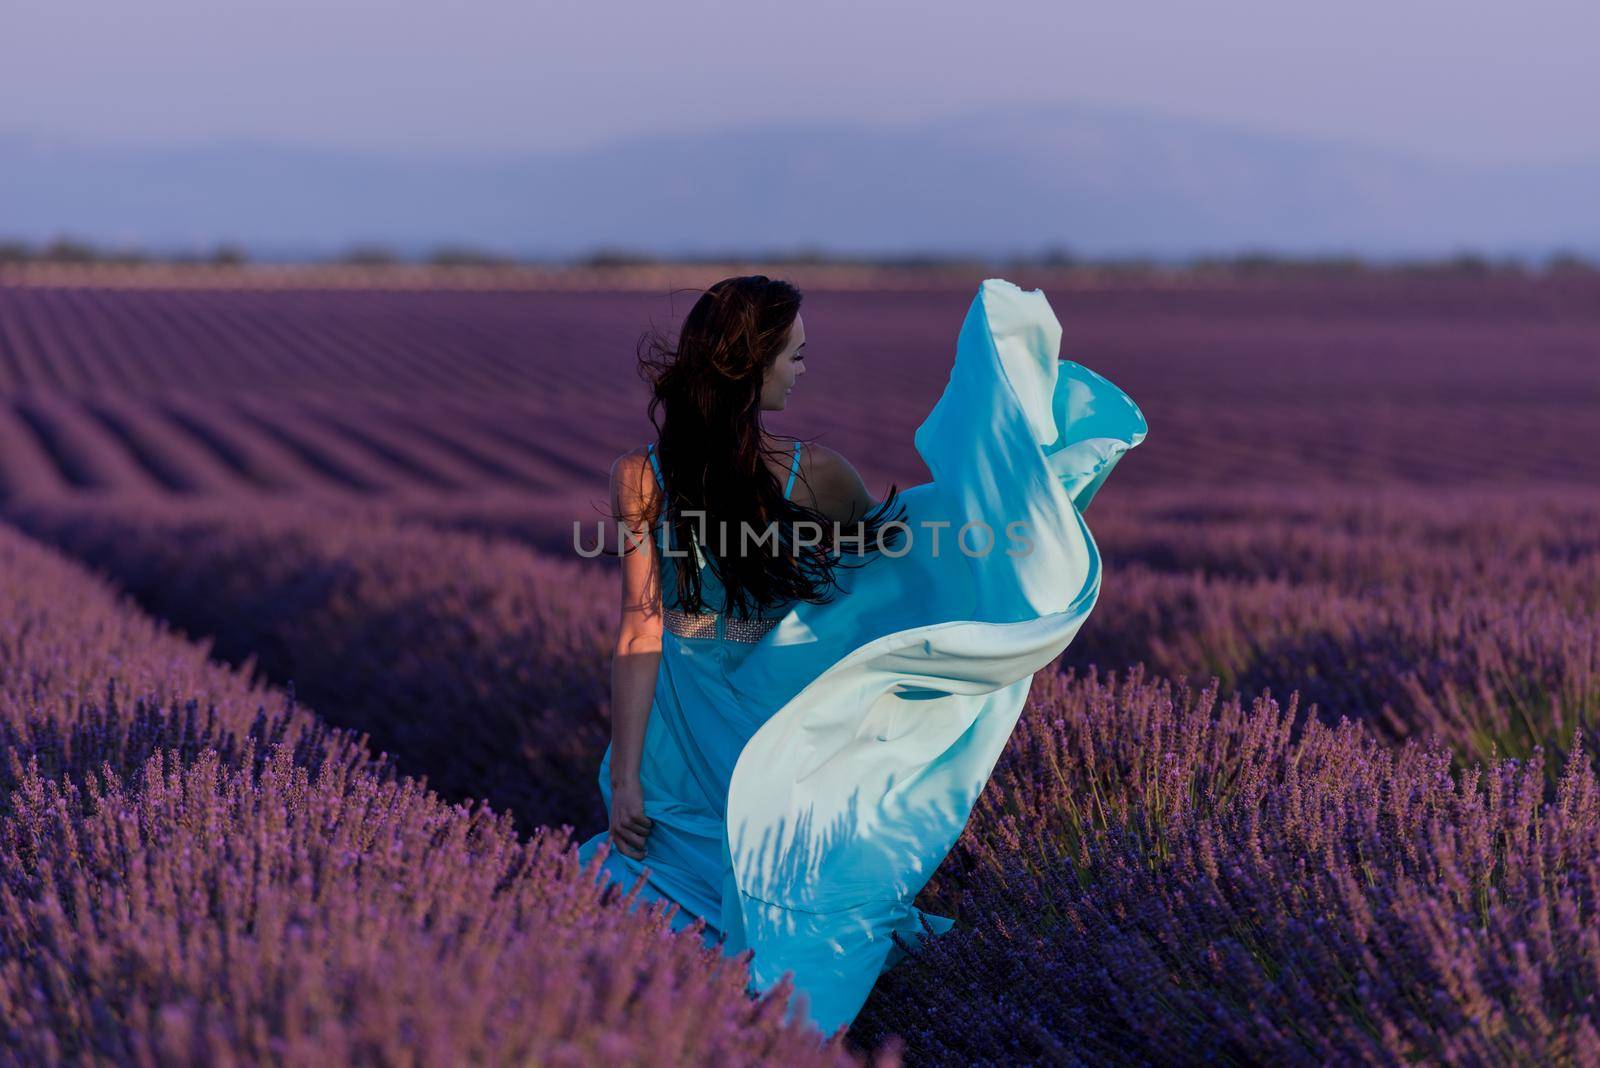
1135	783
1483	674
194	869
1509	541
474	662
1467	617
86	679
1155	876
1419	921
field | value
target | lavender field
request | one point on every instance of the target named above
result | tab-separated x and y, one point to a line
304	686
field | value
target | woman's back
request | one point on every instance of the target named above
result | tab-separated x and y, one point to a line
711	624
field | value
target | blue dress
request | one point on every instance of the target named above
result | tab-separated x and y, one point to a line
804	786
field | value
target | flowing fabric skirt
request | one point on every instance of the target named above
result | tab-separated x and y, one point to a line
804	789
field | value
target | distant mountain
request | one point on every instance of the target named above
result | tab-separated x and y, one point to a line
1092	180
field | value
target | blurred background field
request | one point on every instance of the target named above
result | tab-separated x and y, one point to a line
1371	379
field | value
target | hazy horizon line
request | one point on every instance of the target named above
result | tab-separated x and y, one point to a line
1130	112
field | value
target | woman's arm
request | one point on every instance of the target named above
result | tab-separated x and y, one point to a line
637	656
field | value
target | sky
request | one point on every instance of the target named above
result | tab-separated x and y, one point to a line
1464	81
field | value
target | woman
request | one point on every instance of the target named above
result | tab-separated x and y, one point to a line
800	726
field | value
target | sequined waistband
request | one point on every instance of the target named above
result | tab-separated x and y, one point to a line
704	625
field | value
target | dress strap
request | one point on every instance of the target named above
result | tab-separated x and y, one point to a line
794	469
650	451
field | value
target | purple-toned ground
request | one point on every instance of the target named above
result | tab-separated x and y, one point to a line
1368	509
1363	381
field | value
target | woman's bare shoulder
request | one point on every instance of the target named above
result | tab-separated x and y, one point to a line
628	468
835	483
633	486
634	457
825	460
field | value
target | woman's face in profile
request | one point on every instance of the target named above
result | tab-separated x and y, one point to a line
785	370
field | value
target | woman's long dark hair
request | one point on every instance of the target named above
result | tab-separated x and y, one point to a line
706	405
